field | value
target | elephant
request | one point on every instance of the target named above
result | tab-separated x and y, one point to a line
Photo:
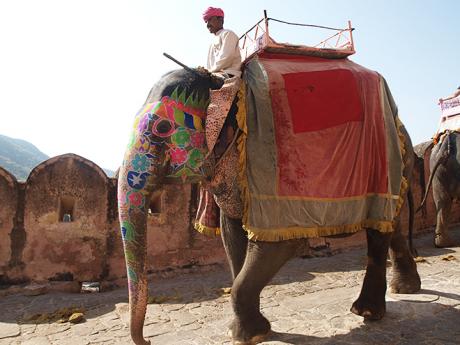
445	179
156	155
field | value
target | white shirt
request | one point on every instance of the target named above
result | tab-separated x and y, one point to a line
224	53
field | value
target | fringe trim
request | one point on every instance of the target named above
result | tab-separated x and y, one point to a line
404	183
439	136
241	147
206	230
283	234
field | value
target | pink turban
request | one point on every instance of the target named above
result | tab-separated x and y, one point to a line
212	12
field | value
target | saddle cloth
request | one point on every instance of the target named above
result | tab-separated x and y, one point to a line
322	154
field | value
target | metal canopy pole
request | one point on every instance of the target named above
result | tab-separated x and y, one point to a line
266	28
351	35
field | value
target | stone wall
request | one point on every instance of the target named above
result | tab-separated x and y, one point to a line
65	220
62	224
9	203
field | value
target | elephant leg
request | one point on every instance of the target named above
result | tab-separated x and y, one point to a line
405	276
235	242
263	260
443	204
371	301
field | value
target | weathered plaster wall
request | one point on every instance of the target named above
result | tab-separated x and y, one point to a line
171	237
74	249
88	247
8	202
115	255
172	242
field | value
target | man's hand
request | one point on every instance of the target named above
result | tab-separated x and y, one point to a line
201	69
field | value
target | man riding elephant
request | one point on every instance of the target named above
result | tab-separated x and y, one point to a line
224	56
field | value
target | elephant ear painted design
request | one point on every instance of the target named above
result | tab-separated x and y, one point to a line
173	127
179	123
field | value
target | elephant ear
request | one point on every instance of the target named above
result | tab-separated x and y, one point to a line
220	103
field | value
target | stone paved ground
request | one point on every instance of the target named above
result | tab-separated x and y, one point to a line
308	303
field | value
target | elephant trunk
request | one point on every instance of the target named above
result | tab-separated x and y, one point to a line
138	306
133	221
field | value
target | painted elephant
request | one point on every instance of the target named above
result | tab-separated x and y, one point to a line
167	147
445	178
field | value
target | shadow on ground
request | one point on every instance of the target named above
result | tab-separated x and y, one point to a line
427	323
201	286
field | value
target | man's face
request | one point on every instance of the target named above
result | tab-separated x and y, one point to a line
214	24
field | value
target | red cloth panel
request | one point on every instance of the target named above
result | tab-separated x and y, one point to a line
322	99
329	130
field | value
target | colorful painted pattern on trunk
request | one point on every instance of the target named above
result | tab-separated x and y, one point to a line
167	142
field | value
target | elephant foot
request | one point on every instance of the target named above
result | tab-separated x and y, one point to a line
369	308
251	332
406	284
442	241
254	340
405	278
141	341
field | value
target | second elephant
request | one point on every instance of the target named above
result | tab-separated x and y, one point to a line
445	177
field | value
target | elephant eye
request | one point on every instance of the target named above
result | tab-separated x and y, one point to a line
163	127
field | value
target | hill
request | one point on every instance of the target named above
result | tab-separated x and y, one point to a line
19	157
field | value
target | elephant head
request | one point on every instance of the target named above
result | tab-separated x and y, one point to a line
167	143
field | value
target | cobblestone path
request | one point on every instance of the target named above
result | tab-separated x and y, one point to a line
308	302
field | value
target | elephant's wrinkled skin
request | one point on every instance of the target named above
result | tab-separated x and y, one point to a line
446	183
248	259
251	273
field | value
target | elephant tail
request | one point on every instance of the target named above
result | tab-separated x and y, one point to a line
410	201
443	159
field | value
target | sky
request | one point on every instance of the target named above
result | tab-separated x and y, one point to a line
73	73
